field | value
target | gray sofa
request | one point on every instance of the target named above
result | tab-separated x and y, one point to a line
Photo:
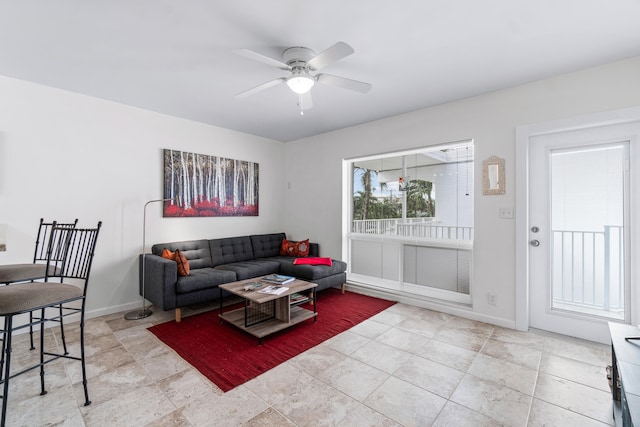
216	261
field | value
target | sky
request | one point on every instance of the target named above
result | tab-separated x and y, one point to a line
375	185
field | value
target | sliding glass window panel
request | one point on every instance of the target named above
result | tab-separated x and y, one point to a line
412	220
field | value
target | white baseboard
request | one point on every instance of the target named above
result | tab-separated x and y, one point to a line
424	302
123	308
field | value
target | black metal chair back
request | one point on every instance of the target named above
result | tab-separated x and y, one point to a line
71	252
47	236
48	246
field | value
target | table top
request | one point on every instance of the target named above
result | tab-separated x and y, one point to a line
628	361
626	351
237	288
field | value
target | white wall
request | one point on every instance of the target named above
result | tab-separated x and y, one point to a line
314	165
66	156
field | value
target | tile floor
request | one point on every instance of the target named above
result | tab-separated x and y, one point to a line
406	366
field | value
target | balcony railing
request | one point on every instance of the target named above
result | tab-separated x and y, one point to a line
435	231
412	227
587	266
588	269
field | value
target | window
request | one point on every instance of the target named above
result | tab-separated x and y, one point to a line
410	221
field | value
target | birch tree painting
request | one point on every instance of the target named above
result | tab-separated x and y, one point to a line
201	185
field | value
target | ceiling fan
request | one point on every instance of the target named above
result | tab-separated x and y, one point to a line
301	62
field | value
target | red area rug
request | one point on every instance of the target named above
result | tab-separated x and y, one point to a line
230	357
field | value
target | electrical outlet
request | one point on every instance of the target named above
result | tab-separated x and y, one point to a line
506	213
492	299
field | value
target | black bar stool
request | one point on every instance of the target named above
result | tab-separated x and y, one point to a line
74	262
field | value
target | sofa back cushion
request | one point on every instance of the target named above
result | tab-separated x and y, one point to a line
267	245
197	252
230	249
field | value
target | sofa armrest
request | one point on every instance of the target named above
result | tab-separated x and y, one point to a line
160	277
314	250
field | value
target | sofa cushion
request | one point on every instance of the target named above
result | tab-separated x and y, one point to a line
267	245
230	249
279	259
196	251
250	269
312	272
203	278
295	249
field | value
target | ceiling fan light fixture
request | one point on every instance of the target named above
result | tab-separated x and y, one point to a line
300	82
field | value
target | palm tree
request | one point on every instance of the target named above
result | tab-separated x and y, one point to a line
419	198
365	179
358	205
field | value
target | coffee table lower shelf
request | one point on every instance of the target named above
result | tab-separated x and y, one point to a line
268	327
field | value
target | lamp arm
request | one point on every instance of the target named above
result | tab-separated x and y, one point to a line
144	221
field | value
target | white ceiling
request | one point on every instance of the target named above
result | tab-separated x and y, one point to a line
175	56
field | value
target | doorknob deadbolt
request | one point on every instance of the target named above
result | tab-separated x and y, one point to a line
534	229
534	243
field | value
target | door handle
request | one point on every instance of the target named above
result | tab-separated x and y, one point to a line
535	243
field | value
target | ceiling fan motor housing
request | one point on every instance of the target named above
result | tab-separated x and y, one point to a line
297	57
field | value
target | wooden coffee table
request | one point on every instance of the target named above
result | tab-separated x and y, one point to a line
265	314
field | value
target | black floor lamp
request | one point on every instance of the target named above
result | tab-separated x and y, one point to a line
145	312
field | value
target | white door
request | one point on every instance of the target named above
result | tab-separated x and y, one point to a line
579	230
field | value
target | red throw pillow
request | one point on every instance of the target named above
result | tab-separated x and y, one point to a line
180	259
296	249
313	261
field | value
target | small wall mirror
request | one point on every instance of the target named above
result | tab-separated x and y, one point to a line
493	176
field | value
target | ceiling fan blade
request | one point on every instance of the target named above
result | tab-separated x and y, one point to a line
331	80
304	101
261	58
261	87
330	55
